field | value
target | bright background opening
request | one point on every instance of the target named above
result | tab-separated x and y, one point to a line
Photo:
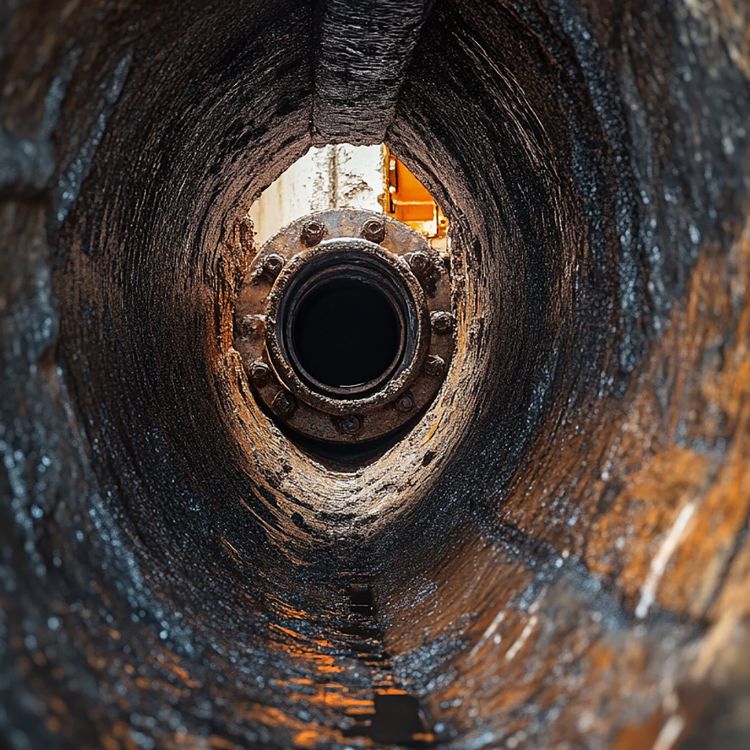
346	176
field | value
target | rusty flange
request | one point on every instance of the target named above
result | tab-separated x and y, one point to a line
370	249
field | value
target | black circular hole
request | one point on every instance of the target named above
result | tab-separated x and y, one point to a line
346	333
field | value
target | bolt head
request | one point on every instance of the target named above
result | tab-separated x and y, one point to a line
272	265
260	374
405	403
350	424
419	262
434	365
312	232
283	404
442	322
373	230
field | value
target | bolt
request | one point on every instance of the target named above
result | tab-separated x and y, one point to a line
373	230
283	404
351	424
312	232
405	403
272	265
260	374
442	322
419	262
434	365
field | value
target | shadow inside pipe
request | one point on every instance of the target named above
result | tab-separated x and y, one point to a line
345	457
393	716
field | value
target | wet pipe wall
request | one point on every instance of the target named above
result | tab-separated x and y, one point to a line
555	556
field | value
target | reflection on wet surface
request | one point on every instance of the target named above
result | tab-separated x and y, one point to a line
351	672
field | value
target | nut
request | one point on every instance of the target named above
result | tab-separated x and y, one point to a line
351	424
419	262
283	404
434	365
312	232
373	230
442	322
405	403
260	374
272	265
426	269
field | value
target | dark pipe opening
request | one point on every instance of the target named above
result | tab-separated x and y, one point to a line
346	327
347	333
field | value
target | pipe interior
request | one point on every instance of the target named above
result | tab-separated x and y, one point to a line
210	562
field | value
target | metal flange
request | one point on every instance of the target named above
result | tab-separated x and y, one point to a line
308	257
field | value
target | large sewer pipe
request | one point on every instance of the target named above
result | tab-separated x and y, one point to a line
555	556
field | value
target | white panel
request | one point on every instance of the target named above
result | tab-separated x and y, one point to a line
335	176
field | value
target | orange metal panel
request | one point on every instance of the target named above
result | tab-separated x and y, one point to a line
409	201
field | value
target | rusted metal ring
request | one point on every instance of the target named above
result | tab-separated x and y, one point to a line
341	254
334	270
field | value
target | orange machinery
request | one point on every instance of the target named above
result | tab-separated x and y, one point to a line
408	200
